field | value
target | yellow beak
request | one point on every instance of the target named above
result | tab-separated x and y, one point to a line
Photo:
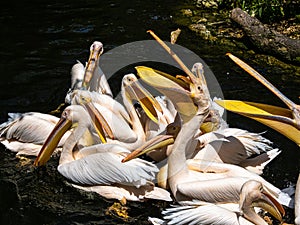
155	143
172	89
271	205
95	52
136	91
52	141
60	129
279	119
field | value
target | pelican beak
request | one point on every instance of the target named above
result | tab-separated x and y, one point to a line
96	50
270	204
279	119
155	143
52	141
149	104
295	109
171	88
262	198
159	141
61	128
99	122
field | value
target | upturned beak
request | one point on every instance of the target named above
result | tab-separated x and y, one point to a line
295	109
95	51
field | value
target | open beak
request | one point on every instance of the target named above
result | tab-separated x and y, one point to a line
279	119
171	88
95	52
136	91
157	142
295	109
271	205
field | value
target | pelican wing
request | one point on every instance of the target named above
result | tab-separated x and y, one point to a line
202	213
107	168
280	119
29	127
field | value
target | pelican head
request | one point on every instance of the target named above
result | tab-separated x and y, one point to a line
96	50
133	90
70	118
254	194
157	142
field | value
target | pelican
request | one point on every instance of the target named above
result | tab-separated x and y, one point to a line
253	194
89	77
94	79
98	167
220	143
185	183
285	121
25	133
124	122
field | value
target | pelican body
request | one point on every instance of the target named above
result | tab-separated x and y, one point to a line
98	167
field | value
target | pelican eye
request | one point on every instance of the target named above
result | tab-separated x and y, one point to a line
64	114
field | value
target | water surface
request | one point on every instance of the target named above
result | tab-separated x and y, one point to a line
40	42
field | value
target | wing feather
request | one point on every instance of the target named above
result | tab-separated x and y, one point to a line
204	214
107	168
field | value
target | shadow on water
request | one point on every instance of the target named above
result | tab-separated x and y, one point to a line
41	41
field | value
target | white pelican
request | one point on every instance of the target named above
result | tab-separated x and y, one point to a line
193	105
124	122
89	77
99	166
222	144
94	78
253	194
285	121
25	133
231	145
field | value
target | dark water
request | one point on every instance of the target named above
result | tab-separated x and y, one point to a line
41	40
